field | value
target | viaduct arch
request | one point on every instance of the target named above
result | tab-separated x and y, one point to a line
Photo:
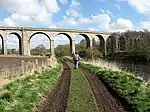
24	35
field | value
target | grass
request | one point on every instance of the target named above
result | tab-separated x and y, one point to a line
24	95
104	64
134	90
81	98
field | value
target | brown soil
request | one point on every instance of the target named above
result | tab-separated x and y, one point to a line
105	100
56	101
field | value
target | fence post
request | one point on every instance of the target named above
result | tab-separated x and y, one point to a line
33	67
22	67
42	64
36	63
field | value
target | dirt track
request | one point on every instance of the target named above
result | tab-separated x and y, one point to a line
105	101
56	101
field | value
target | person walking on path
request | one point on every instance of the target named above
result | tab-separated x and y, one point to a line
76	59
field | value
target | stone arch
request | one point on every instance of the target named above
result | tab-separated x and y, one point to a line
102	43
122	43
67	35
111	44
88	42
82	42
20	40
130	44
37	33
70	40
137	44
2	44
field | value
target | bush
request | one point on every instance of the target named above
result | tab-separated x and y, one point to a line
130	56
90	53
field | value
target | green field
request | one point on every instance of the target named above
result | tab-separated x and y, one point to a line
24	95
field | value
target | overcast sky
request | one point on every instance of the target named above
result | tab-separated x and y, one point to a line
101	15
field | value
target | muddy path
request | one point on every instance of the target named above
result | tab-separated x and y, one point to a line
56	101
105	100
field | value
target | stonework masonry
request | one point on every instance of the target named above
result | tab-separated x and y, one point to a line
24	35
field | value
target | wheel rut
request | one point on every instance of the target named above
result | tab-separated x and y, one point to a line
105	101
56	101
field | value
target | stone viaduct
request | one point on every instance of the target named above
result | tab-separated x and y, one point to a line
24	35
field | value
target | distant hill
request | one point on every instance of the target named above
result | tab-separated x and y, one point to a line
39	47
39	50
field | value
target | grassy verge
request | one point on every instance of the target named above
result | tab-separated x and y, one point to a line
25	94
81	98
133	89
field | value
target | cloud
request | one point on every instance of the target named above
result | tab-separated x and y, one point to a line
67	22
117	6
75	4
121	25
52	26
101	21
53	8
12	41
72	14
25	6
142	6
83	20
61	37
9	22
63	1
74	18
61	40
41	12
13	6
102	10
39	39
92	29
145	24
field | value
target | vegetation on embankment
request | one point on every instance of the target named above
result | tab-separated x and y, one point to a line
134	90
24	95
128	56
81	98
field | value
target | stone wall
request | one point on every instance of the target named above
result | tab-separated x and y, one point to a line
18	66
